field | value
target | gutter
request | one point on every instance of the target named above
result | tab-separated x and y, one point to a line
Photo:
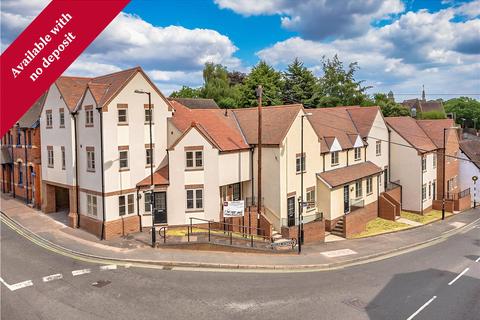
100	112
77	192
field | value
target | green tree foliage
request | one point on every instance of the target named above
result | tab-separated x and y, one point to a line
431	115
299	85
388	107
271	81
338	86
466	108
187	92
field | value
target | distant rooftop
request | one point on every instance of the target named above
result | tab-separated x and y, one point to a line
197	103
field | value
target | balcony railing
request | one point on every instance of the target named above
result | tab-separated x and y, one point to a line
317	216
457	195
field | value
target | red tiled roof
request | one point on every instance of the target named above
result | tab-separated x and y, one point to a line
160	177
330	123
409	129
276	121
340	176
219	125
471	148
434	129
110	84
71	89
363	118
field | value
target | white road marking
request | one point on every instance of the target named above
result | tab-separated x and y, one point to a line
457	277
422	307
52	277
478	259
108	267
338	253
80	272
16	286
457	224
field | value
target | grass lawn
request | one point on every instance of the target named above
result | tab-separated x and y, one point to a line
379	226
433	215
182	232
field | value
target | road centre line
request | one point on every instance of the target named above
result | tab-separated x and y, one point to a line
422	307
457	277
52	277
80	272
16	286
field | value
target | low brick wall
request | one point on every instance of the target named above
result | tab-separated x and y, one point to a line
396	194
312	232
330	224
437	205
463	203
266	226
386	209
91	225
249	220
121	227
356	221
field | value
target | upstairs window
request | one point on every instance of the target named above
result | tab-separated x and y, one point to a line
123	159
300	163
50	156
148	157
63	158
122	116
148	116
194	159
90	159
62	118
358	153
20	173
424	163
49	119
89	117
311	198
334	158
378	148
434	160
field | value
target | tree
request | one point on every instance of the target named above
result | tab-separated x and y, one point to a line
299	85
339	86
466	108
216	83
236	77
431	115
388	107
271	81
187	92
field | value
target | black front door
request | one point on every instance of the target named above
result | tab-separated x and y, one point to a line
291	211
160	210
346	199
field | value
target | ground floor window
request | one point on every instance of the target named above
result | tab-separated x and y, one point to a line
125	207
148	197
20	173
310	199
194	199
92	205
369	185
424	192
358	188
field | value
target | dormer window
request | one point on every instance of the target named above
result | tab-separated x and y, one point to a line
358	153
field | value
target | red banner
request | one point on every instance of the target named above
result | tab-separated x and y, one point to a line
46	48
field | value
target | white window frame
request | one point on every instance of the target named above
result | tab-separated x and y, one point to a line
63	157
146	116
310	196
147	202
197	155
358	156
120	152
434	160
126	116
298	164
334	158
62	118
358	189
195	198
122	206
149	158
378	148
89	117
92	205
91	160
50	158
424	163
424	192
48	119
369	185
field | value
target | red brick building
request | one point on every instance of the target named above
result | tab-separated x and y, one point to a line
20	173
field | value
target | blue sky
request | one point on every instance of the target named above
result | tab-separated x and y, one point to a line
400	45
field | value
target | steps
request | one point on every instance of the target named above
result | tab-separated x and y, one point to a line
338	230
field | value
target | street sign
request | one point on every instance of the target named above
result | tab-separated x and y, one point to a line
233	208
474	178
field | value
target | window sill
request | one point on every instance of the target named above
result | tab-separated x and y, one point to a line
48	127
148	123
378	154
334	165
124	169
298	172
122	124
194	210
369	193
90	170
63	127
194	169
310	209
148	166
357	159
50	167
89	126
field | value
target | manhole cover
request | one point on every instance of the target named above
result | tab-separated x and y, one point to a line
101	283
355	303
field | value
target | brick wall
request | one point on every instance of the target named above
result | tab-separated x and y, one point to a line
356	221
463	203
249	220
451	165
386	209
312	232
437	205
121	227
266	226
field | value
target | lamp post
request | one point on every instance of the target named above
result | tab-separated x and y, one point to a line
152	186
300	200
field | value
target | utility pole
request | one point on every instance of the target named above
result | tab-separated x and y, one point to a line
259	92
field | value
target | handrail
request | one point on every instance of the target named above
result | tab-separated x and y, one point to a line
164	228
262	231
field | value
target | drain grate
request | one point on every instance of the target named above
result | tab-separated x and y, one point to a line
101	283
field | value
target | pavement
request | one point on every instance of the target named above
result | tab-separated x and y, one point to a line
323	256
438	282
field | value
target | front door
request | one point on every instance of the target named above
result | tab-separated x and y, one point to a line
160	210
291	211
346	199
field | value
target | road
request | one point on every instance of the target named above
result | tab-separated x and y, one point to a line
431	283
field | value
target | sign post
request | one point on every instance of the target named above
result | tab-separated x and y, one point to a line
474	178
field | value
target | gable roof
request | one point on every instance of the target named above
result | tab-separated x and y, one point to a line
107	86
363	118
71	89
424	106
196	103
434	129
409	129
160	177
31	117
471	148
276	121
331	123
218	126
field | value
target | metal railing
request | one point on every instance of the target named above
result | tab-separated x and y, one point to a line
357	204
457	195
317	216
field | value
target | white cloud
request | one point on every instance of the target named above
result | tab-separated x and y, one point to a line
320	19
470	9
